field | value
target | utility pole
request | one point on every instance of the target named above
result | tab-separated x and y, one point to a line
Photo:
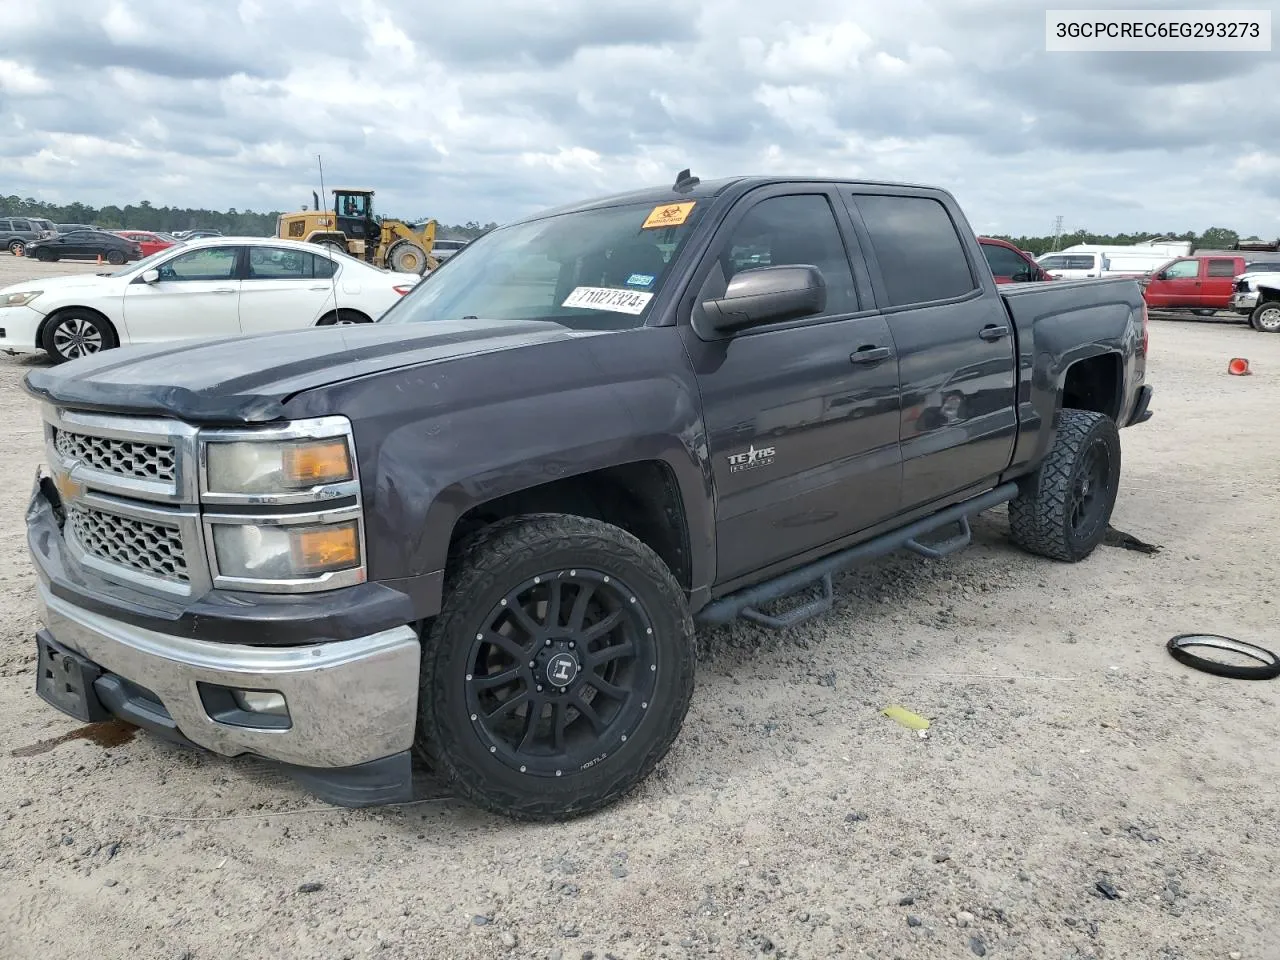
1057	231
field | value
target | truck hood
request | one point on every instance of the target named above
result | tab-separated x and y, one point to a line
1269	278
248	379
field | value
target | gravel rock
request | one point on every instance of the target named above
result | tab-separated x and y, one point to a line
913	920
310	886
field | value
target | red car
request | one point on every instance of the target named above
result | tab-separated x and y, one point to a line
149	242
1009	264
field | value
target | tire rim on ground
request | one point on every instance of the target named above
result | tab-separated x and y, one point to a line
561	672
76	337
1180	649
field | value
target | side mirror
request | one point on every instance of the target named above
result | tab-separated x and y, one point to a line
150	276
768	295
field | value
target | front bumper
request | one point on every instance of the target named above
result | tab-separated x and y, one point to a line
18	326
352	704
1244	302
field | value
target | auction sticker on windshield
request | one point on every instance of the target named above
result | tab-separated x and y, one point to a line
606	298
668	215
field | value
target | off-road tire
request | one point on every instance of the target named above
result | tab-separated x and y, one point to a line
482	571
1040	515
398	258
1269	309
75	325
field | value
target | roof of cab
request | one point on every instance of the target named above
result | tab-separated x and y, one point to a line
708	189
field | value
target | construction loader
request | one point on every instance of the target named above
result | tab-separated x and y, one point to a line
351	228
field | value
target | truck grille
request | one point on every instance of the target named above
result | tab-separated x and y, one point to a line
154	549
123	458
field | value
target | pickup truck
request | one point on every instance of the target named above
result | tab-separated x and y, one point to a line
480	531
1256	295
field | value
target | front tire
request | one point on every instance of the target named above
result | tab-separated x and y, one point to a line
77	333
45	256
1266	317
559	670
1063	509
406	257
115	257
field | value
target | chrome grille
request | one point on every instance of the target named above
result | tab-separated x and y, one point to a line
125	458
154	549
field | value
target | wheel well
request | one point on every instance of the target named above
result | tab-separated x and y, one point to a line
57	313
1094	384
1267	294
642	498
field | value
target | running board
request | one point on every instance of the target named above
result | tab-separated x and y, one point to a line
745	602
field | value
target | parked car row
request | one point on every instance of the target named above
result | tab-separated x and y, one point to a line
206	288
17	232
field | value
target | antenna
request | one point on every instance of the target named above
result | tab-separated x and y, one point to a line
685	181
333	276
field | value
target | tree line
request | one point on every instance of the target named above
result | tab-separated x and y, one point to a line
144	216
1215	238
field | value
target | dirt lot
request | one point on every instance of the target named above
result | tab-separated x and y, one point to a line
1069	758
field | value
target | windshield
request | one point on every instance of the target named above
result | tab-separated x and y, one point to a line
146	262
591	270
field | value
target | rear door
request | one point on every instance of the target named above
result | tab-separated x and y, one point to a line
801	416
197	295
1219	281
954	343
1177	285
284	289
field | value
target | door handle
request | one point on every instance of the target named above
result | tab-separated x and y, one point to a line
224	290
993	332
869	354
321	287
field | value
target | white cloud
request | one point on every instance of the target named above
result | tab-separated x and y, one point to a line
493	109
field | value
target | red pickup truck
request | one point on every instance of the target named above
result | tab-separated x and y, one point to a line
1009	264
1202	283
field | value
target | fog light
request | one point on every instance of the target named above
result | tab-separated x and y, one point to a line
261	701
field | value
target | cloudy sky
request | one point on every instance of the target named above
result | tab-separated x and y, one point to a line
491	110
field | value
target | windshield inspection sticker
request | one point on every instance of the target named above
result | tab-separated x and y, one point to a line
607	298
668	215
640	280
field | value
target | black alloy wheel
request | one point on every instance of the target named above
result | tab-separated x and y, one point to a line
115	257
562	671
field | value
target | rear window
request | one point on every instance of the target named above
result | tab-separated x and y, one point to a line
1222	268
918	248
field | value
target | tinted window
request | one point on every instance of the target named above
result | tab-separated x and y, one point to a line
1258	267
918	248
1081	263
1055	263
215	264
796	230
1222	268
1182	270
1004	262
273	263
6	225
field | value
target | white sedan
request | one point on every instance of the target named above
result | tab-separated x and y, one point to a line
203	288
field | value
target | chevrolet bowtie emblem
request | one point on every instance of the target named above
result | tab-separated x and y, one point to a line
68	488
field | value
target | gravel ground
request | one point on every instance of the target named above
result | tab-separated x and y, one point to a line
1079	795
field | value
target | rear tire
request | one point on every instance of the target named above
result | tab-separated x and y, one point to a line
17	248
75	333
1063	509
545	751
342	318
333	246
1266	317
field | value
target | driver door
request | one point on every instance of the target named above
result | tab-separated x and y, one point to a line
197	295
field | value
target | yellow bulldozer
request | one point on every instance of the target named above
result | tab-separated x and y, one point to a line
351	228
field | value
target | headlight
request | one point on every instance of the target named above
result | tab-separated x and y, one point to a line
277	467
251	551
19	299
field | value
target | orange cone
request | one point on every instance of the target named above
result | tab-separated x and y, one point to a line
99	259
1239	367
20	252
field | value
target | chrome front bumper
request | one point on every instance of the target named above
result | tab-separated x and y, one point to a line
350	702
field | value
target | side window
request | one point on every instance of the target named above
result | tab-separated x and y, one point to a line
1081	263
1004	262
1054	263
798	229
274	263
1222	268
6	225
1183	270
218	263
918	248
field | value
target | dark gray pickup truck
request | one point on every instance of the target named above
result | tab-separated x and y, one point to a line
481	530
